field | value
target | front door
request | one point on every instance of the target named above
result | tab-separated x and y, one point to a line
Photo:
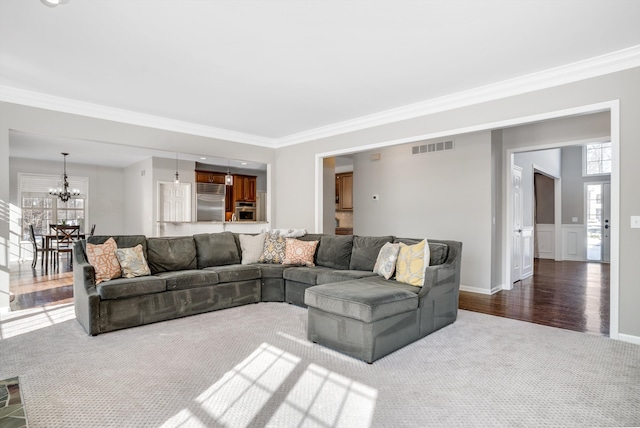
598	216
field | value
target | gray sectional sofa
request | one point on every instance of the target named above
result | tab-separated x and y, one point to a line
350	308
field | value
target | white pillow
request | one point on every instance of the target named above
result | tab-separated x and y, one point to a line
252	247
386	262
289	233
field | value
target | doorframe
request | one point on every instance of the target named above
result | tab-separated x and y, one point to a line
557	209
612	106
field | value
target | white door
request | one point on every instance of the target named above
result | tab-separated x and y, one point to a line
606	216
175	202
516	247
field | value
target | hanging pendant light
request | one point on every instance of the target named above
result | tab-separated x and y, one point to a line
63	192
177	178
228	179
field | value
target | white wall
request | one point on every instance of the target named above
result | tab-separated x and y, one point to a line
138	197
440	195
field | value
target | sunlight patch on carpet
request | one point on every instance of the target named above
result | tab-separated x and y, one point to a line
327	399
20	322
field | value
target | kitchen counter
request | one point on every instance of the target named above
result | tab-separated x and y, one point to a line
183	228
344	230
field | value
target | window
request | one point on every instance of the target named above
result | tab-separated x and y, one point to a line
597	158
41	209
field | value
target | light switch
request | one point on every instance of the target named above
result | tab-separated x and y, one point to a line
574	219
635	221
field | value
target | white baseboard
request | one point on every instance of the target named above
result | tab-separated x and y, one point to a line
478	290
629	338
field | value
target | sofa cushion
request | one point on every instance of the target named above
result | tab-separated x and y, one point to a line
299	252
271	270
365	251
129	287
305	275
122	241
342	275
132	262
216	249
251	247
438	251
367	300
411	263
182	279
232	273
274	249
171	254
104	260
386	262
335	251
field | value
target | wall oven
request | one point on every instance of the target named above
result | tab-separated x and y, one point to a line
245	211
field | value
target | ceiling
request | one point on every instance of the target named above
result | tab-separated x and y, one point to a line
277	68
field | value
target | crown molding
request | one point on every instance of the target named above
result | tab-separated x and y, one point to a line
65	105
605	64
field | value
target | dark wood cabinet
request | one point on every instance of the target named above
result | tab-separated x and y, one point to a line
209	177
344	191
244	188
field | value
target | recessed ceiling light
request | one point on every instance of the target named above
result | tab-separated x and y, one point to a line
203	158
53	3
243	163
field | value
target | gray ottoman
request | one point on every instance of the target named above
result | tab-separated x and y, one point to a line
366	318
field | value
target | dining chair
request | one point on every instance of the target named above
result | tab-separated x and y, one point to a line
38	248
65	237
93	229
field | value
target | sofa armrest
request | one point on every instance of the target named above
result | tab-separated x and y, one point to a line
439	276
86	299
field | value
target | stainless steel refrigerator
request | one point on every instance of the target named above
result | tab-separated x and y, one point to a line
210	202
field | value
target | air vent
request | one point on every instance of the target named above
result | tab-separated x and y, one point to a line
432	147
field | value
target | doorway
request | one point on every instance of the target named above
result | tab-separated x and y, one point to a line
598	223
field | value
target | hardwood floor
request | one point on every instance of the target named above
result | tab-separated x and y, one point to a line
569	295
40	287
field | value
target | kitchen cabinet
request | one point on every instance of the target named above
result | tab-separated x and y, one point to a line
344	191
244	188
209	177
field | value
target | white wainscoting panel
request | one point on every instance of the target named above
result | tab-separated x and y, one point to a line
573	242
527	252
545	240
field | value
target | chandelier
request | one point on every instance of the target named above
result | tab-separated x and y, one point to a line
63	192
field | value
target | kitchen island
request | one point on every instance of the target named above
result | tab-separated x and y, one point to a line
184	228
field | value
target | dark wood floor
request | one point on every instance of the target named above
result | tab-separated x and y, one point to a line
569	295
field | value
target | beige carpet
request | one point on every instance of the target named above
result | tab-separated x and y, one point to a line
252	366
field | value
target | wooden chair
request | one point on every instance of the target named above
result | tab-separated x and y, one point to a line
65	237
38	248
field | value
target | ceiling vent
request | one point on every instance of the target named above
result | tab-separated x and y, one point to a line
432	147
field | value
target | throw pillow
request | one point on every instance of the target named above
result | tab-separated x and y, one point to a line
274	249
289	233
386	262
104	261
412	260
133	262
252	247
299	252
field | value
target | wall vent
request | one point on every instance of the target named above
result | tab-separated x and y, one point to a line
432	147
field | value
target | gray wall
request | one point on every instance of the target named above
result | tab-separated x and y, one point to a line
573	185
545	199
430	195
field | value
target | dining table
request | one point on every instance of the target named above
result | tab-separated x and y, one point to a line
50	238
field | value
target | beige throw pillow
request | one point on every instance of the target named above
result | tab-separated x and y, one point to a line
252	247
133	262
412	261
386	262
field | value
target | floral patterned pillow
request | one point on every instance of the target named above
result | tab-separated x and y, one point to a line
274	250
299	252
104	261
133	262
386	262
412	261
